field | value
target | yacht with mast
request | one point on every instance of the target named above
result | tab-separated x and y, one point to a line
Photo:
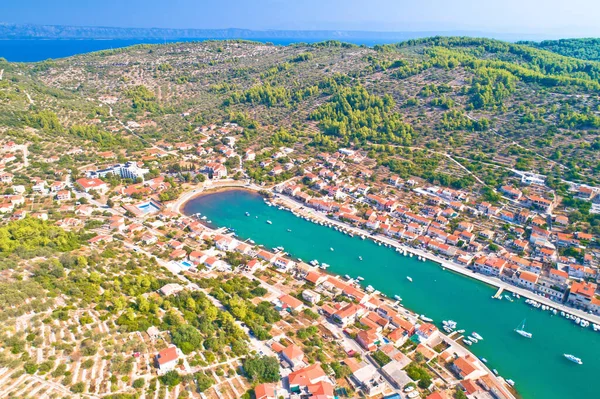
521	330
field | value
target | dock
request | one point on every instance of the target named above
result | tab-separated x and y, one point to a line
499	293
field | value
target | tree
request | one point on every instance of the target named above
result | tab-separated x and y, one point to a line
203	381
171	378
459	394
78	388
187	338
262	369
139	383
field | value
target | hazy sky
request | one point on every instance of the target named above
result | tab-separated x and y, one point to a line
570	17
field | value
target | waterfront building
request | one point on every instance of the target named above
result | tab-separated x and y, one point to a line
582	294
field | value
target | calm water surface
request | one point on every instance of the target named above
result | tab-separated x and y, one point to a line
34	50
536	365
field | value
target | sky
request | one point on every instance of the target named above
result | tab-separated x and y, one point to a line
551	17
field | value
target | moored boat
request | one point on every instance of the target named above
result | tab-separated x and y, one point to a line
573	358
521	330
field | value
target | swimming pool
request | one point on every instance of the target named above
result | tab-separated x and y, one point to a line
186	264
147	207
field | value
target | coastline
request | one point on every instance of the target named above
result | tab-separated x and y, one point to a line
313	215
205	189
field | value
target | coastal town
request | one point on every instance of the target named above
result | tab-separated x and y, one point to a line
330	335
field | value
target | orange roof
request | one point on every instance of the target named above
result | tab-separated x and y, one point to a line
396	334
321	388
290	301
465	368
470	386
583	289
167	355
561	273
306	376
437	395
313	277
293	352
528	276
264	391
277	347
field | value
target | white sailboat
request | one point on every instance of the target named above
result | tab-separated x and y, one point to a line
573	358
521	330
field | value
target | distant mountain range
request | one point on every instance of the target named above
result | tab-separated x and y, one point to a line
15	31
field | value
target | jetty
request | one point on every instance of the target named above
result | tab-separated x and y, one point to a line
498	294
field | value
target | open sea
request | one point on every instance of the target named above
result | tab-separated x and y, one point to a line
33	50
536	365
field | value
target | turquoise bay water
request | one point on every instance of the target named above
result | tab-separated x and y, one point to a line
536	365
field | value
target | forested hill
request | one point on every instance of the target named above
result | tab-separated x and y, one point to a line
495	106
585	49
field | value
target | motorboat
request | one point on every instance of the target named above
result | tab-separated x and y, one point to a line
269	222
409	278
479	337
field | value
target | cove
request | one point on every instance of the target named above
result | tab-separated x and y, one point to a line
536	365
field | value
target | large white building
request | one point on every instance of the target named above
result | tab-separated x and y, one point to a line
129	170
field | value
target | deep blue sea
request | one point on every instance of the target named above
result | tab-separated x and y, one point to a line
39	50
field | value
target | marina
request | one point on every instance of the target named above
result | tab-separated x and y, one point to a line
434	292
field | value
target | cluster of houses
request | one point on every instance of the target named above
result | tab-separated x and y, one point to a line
512	241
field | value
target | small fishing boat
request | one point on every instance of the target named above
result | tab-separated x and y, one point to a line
203	218
573	358
483	359
466	341
269	222
510	382
360	258
370	288
495	371
397	297
409	278
347	277
324	265
247	213
425	318
461	331
359	278
508	298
